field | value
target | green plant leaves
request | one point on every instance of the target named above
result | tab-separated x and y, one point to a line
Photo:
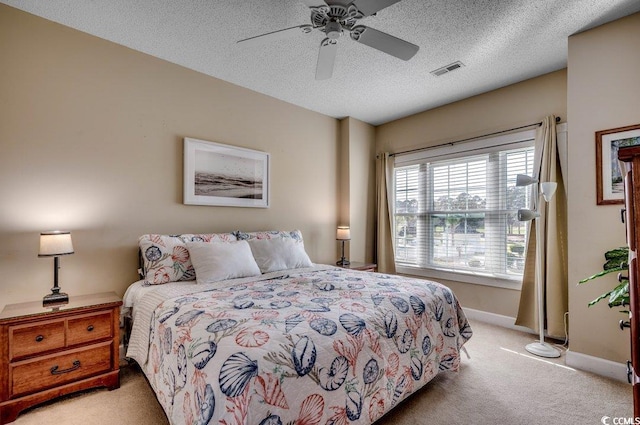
616	262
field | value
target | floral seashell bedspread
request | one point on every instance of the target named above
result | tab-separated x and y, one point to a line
307	346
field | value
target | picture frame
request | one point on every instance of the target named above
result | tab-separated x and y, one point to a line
216	174
609	179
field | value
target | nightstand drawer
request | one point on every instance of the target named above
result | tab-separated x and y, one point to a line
365	267
35	338
368	268
92	327
50	352
51	371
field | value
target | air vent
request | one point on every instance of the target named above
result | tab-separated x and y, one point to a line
445	69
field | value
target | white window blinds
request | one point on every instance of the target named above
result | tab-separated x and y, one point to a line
458	212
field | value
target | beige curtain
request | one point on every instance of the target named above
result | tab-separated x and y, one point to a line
384	236
553	222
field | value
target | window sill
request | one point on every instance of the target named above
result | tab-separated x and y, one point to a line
476	279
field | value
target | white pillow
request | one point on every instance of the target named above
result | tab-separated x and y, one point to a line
273	255
215	261
165	258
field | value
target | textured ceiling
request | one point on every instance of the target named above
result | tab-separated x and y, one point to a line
500	42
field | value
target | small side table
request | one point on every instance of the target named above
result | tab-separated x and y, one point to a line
46	352
365	267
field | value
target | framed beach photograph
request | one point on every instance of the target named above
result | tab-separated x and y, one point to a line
609	179
224	175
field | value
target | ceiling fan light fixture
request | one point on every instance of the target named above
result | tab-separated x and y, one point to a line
333	30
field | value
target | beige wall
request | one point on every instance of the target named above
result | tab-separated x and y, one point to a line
508	107
603	93
519	104
91	141
362	172
357	187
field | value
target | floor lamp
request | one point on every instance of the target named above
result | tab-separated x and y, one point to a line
546	190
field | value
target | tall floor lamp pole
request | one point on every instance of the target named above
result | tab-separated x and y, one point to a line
547	190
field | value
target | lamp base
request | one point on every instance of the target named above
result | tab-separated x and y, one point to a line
56	298
343	262
542	349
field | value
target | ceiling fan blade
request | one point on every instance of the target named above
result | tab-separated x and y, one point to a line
326	59
314	3
277	35
369	7
384	42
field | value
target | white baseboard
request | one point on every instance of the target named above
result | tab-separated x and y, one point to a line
122	352
495	319
602	367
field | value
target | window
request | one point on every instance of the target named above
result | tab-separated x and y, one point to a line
457	212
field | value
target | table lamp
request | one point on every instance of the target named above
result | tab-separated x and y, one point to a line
54	244
343	234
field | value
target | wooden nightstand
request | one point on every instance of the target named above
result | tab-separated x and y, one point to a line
49	352
366	267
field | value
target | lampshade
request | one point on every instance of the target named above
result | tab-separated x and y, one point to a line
525	180
548	189
527	215
53	244
344	233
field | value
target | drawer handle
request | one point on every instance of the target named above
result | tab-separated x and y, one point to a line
39	338
90	328
55	371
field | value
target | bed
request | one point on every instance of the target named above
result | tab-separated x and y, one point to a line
304	344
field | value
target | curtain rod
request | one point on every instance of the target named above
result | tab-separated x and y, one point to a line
470	138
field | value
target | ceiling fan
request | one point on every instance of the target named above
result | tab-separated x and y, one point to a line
334	20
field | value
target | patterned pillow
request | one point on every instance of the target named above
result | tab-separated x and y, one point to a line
165	258
296	235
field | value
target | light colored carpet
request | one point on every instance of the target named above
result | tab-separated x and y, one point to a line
500	384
